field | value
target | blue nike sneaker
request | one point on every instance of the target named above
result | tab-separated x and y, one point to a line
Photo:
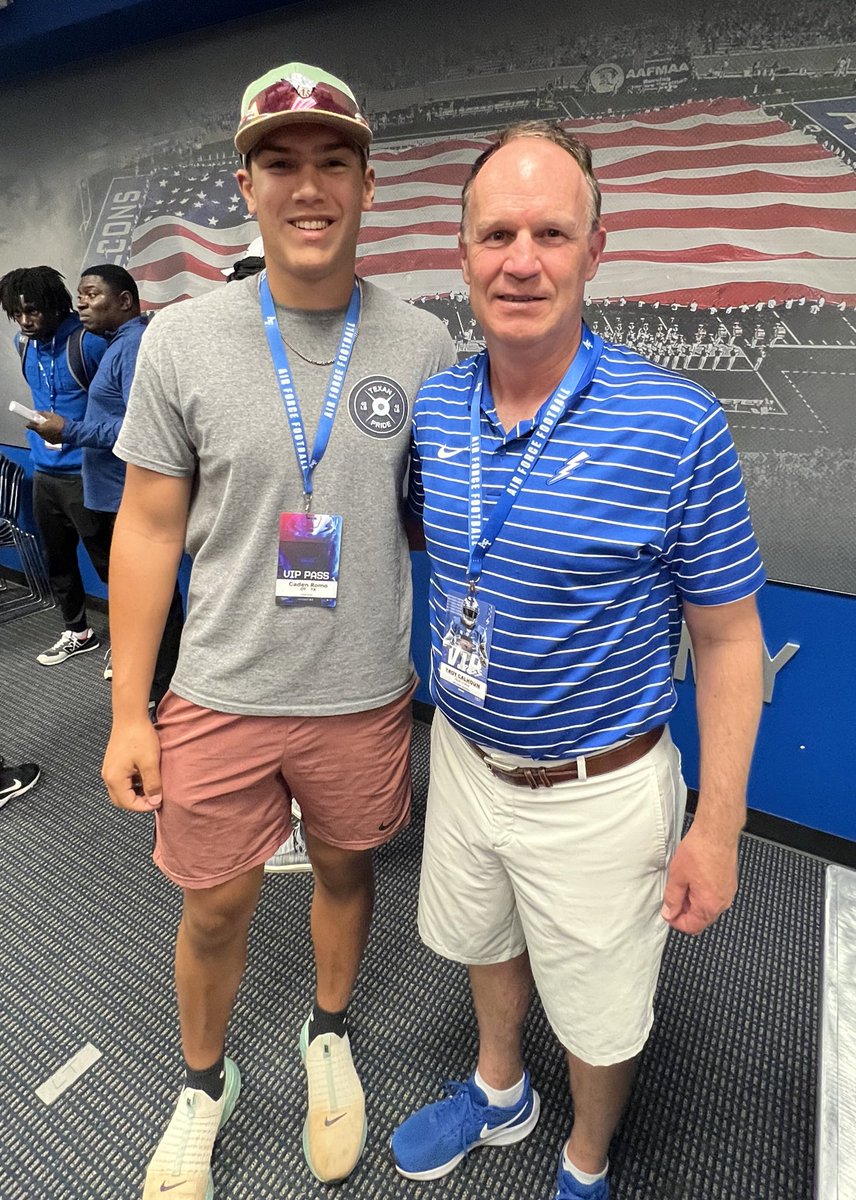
435	1138
568	1188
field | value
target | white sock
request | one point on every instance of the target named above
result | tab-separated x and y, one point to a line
501	1098
581	1176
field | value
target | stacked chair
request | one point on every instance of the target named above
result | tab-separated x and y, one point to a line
16	601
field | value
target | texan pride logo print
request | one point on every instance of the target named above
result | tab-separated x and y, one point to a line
378	406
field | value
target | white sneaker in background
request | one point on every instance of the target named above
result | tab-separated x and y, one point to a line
291	856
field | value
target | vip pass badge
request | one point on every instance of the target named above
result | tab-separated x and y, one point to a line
310	544
465	648
469	620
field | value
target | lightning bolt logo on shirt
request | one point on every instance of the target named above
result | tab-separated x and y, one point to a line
569	467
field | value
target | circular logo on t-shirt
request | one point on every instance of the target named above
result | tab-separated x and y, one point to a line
378	406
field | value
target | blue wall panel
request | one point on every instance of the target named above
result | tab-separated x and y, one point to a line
803	767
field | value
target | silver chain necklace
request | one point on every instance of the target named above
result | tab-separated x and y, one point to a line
326	362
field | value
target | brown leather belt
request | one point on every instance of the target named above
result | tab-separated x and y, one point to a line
596	764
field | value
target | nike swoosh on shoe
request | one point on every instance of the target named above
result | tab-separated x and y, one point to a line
487	1130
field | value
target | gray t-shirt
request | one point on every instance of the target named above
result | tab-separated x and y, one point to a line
205	403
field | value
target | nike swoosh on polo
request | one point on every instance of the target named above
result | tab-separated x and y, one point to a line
569	467
328	1122
487	1130
450	451
170	1187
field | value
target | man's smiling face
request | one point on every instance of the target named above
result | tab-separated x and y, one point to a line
530	244
308	187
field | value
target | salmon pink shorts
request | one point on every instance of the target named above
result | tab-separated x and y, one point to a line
228	781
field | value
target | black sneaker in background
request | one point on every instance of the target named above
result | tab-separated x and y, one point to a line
14	781
69	644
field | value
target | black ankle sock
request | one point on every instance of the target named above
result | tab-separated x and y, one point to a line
322	1021
211	1081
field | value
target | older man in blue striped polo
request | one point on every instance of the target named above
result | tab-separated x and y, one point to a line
577	502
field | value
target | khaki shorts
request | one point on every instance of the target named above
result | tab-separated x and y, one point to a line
228	781
574	873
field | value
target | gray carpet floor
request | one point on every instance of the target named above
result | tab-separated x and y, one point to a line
723	1107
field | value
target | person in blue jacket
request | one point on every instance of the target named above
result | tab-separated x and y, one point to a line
108	302
58	359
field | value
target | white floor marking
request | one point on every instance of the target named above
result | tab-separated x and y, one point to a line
68	1074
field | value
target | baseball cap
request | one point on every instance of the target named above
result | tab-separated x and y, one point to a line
298	92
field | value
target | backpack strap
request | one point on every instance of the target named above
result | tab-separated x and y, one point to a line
23	347
76	359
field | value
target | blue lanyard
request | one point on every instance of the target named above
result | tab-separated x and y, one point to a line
306	463
50	383
576	378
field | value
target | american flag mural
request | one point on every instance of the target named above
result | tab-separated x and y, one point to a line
716	203
713	202
191	227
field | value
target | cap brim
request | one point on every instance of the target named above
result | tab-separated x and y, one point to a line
251	134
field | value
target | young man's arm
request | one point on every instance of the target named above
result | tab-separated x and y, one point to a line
148	543
727	650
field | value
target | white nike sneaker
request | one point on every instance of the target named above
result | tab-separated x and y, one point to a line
334	1132
180	1168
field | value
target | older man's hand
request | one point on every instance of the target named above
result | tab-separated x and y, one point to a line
702	881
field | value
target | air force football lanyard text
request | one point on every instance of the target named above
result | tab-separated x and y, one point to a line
576	378
284	379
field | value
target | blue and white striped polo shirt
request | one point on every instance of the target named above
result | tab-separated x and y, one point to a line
636	503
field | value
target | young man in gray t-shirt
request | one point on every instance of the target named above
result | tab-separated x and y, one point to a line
268	432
